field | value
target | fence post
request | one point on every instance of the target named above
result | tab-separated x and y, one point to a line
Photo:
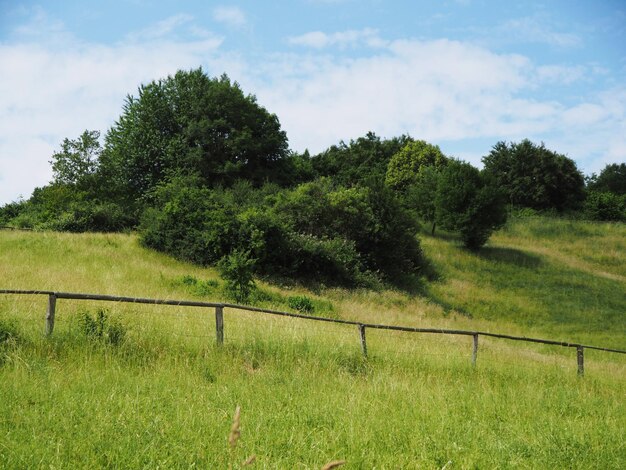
475	349
219	324
363	343
52	303
580	357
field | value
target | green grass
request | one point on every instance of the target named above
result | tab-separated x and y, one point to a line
165	395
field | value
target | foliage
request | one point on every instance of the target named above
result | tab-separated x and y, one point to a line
421	195
77	161
314	232
359	161
193	124
533	176
612	179
237	269
469	202
605	206
302	303
10	211
406	165
102	328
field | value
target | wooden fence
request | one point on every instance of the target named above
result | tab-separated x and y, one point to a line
219	321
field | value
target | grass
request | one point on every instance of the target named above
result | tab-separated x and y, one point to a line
165	395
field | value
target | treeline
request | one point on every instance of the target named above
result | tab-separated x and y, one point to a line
205	173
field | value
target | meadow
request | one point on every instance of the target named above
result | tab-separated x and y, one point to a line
163	394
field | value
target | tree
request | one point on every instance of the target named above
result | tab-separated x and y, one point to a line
605	206
612	179
77	161
237	269
359	161
533	176
420	195
405	166
468	201
192	124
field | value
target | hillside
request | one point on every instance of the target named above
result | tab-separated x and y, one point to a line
165	395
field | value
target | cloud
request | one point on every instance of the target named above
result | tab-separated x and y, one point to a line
447	92
350	38
534	30
459	95
231	16
58	86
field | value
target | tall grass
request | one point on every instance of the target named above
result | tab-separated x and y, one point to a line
163	395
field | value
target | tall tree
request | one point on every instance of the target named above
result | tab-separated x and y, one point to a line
533	176
468	201
359	161
612	179
192	124
78	159
405	166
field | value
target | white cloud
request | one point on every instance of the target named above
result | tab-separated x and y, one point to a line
231	16
351	38
162	28
533	29
448	92
58	86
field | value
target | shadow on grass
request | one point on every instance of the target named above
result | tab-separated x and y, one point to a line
509	256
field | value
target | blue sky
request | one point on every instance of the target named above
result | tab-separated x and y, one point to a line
462	74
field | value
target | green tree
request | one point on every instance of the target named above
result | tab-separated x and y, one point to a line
237	269
469	202
77	161
533	176
421	194
359	161
612	179
190	123
606	206
405	166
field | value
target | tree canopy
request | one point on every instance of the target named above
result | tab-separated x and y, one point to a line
533	176
468	201
612	179
405	166
362	159
193	124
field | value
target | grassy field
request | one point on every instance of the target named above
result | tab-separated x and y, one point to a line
164	395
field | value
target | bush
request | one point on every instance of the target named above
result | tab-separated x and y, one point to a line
301	303
101	328
469	202
237	269
316	232
605	206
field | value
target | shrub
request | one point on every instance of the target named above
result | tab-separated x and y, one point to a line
237	269
469	202
102	328
301	303
605	206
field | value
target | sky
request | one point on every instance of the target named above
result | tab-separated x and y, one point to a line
462	74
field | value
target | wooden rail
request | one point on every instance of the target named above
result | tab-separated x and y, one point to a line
53	296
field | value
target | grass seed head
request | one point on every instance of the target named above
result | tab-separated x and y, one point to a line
235	432
333	464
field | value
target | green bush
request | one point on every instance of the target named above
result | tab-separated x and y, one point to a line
301	303
605	206
315	232
101	328
237	269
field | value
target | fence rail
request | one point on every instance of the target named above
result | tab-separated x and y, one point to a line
53	296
